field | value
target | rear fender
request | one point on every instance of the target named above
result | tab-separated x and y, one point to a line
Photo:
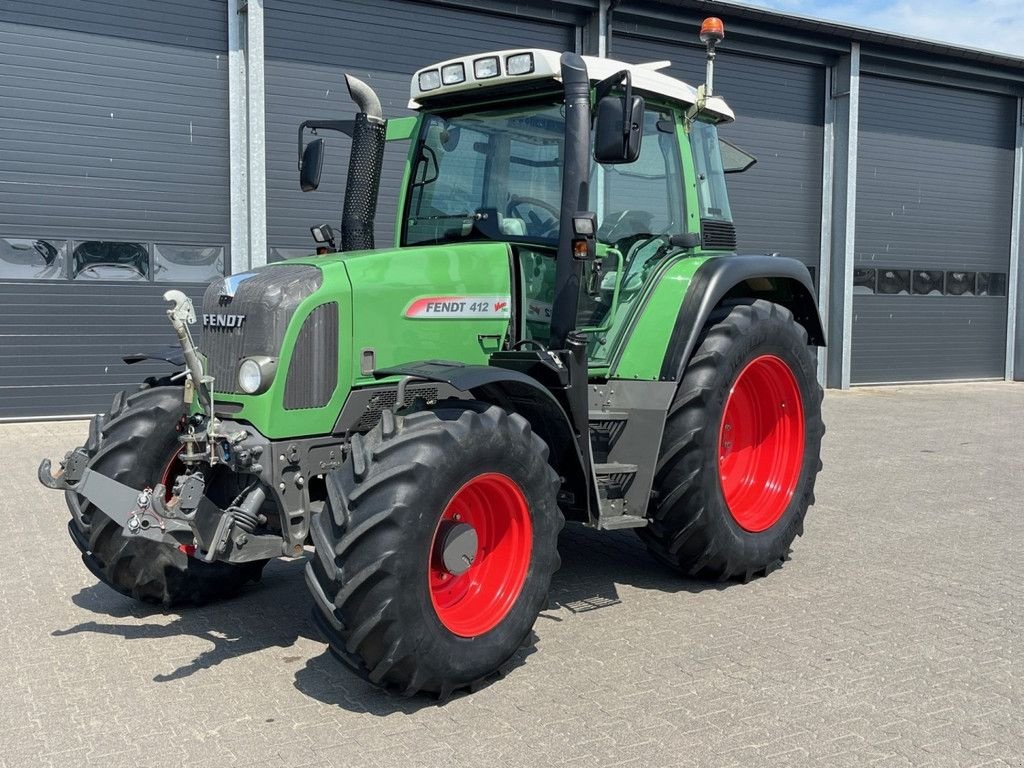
522	394
777	279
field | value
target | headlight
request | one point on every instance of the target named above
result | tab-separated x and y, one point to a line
486	67
255	374
453	74
430	80
519	64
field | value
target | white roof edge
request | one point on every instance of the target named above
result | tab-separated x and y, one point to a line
645	77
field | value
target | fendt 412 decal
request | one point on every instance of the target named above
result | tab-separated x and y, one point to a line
458	307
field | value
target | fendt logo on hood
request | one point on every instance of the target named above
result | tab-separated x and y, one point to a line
223	321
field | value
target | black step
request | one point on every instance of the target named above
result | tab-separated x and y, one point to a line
608	416
621	521
604	470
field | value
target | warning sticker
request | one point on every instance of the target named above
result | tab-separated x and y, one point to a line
459	307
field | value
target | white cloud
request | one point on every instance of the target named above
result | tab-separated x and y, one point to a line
992	25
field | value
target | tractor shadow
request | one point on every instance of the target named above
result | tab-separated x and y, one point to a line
263	616
277	614
596	563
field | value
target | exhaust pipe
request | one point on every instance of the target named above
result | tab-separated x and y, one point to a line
575	195
364	166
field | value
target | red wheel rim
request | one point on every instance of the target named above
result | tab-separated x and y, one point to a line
761	443
174	467
478	599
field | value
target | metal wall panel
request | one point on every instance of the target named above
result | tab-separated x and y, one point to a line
934	180
61	343
925	338
779	108
113	120
310	46
113	126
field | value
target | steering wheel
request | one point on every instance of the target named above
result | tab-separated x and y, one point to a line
540	226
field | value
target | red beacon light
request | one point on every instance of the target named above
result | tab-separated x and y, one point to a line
712	30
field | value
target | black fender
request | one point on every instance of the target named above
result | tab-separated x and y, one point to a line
518	393
170	353
779	279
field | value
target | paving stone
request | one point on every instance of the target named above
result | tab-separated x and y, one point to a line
892	638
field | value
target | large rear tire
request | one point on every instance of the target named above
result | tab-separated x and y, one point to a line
136	444
741	447
399	594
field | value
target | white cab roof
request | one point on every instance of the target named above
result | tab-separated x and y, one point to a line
645	77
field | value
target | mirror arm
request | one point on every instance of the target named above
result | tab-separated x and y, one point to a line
604	87
626	112
341	126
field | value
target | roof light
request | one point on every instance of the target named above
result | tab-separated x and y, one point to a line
430	80
486	67
519	64
453	73
712	28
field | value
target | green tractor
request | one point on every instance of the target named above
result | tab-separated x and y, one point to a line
562	331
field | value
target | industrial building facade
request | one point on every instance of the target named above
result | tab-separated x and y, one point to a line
148	145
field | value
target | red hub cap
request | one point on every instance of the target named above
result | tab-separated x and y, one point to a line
479	555
761	443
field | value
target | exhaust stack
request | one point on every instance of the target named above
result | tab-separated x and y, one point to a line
364	166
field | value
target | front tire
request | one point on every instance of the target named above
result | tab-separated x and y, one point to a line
136	443
392	596
741	448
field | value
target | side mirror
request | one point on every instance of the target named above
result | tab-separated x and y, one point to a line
311	165
619	129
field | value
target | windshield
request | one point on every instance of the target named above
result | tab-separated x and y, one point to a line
497	175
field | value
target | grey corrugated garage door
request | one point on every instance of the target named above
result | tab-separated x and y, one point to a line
934	178
779	108
113	188
309	47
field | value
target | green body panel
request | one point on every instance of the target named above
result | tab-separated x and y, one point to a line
388	285
401	128
656	315
689	176
374	291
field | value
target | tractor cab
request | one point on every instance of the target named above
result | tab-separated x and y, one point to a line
484	169
486	164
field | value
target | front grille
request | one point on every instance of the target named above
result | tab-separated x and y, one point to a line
718	235
313	370
267	298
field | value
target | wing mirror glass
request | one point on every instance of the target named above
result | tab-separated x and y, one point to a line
311	166
619	129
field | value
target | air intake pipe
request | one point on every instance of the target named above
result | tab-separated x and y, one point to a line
364	165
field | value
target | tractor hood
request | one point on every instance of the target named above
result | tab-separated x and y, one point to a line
319	326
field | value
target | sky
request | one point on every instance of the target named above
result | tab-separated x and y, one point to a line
992	25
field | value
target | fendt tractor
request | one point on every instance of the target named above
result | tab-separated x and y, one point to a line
562	331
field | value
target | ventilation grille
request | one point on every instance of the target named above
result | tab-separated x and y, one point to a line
387	399
266	299
718	235
313	371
